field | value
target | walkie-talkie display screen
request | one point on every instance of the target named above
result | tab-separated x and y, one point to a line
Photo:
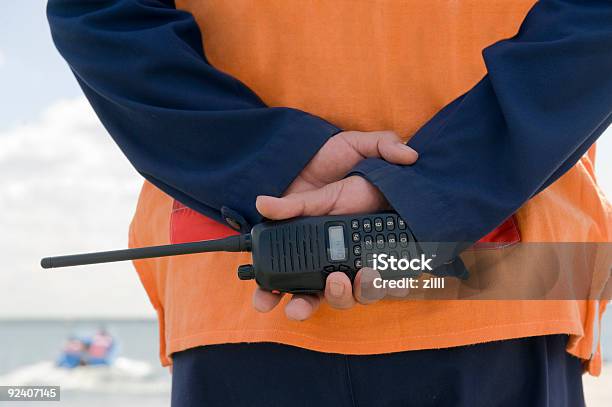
337	248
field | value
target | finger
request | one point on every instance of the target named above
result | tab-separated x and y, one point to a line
316	202
339	291
364	289
265	301
398	292
302	306
396	152
383	144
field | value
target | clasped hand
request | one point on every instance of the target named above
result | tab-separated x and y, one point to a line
322	189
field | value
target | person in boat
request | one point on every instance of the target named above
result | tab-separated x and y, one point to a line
100	348
73	353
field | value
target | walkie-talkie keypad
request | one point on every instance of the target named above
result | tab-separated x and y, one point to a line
392	240
378	224
390	223
369	236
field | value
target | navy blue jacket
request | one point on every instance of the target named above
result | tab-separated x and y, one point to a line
204	138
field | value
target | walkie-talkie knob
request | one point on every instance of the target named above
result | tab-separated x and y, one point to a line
246	272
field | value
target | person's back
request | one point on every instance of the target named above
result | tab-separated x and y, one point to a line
506	144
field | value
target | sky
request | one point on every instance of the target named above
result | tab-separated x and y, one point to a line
65	187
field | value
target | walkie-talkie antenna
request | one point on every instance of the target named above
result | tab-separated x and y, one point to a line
241	243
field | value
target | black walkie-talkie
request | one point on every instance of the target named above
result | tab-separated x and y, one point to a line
297	255
293	256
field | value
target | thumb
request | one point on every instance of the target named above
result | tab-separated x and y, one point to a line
315	202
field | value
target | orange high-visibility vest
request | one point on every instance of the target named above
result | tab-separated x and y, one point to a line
362	65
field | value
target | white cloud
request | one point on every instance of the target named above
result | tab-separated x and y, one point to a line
65	187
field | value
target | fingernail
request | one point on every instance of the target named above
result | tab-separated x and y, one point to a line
408	148
336	289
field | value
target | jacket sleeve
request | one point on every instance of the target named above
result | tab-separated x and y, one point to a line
545	100
196	133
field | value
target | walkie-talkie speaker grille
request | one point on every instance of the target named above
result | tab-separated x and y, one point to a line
294	248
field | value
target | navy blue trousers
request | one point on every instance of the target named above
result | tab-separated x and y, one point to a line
532	371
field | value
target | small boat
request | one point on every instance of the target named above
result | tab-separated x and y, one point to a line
89	350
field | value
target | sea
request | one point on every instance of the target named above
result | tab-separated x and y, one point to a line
29	349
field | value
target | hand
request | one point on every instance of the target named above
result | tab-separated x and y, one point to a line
341	153
319	190
351	195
